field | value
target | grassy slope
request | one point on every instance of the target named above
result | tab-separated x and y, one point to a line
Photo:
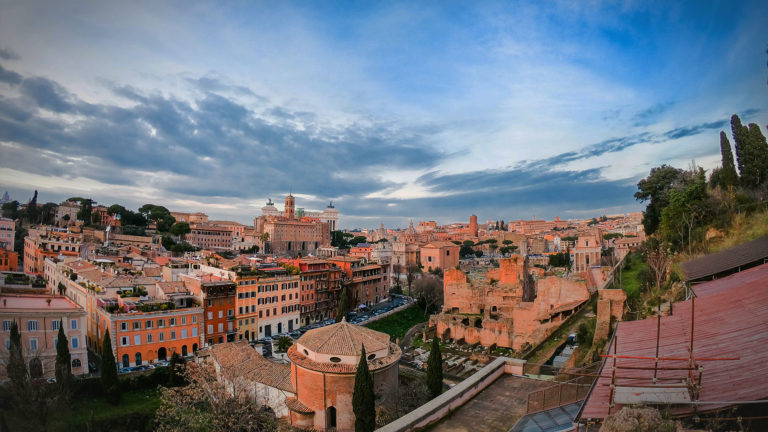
743	229
397	324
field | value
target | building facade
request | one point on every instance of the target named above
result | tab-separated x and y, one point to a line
38	319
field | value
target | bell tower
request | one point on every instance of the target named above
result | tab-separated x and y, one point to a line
290	206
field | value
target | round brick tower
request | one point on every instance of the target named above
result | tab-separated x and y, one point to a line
473	228
323	366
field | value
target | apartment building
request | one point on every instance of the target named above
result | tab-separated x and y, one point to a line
38	318
267	303
367	282
7	233
48	242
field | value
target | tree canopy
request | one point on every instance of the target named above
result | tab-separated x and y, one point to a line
655	188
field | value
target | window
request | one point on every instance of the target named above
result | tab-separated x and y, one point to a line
76	363
184	333
161	336
210	314
55	324
137	339
150	339
75	342
124	326
230	312
221	327
148	324
7	344
240	310
194	331
183	320
194	319
210	328
161	323
32	325
221	314
7	325
124	341
259	314
73	324
172	322
33	344
173	334
137	325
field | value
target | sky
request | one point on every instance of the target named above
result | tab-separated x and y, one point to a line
392	110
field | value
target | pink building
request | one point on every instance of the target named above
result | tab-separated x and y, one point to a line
39	318
7	233
440	255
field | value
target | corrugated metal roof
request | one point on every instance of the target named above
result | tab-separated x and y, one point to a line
728	260
731	320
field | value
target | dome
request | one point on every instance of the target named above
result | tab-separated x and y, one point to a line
341	344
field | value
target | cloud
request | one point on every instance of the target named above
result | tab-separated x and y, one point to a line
207	146
8	54
9	76
649	115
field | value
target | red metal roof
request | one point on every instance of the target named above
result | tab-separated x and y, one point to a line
731	320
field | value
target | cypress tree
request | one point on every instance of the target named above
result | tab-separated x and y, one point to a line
16	368
109	371
343	309
760	149
728	176
744	151
435	369
363	400
63	361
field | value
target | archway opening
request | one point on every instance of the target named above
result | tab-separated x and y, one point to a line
138	359
162	354
183	350
331	417
126	361
194	347
478	323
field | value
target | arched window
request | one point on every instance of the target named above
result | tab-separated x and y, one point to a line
138	359
184	350
162	354
335	360
479	323
126	361
194	347
76	363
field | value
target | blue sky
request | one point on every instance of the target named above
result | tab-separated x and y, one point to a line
393	110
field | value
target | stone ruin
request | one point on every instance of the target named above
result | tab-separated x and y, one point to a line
508	307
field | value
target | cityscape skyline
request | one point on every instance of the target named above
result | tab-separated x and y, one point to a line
392	111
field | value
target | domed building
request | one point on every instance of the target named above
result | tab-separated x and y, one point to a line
323	366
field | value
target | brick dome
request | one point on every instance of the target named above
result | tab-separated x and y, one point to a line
342	343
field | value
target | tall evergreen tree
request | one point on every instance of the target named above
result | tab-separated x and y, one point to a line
760	148
63	361
728	176
344	307
109	371
16	368
363	399
435	369
745	152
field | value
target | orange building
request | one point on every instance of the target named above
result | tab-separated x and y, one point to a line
267	303
367	282
219	302
144	337
47	242
320	288
362	250
9	260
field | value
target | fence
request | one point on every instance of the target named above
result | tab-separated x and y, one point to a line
559	394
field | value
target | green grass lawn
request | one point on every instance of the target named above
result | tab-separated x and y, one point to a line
397	324
630	282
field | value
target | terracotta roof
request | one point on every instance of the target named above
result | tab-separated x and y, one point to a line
248	363
344	339
727	261
294	405
172	287
393	356
731	321
152	271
